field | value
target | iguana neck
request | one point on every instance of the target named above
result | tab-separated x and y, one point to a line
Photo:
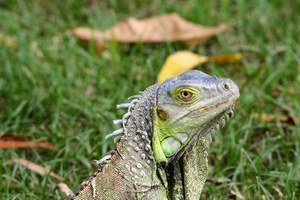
134	147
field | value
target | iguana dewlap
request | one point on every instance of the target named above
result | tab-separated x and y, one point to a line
161	145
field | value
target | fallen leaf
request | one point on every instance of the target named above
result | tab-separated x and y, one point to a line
178	63
226	58
87	35
33	167
163	28
9	142
64	188
182	61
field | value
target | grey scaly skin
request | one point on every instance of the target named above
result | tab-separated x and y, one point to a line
161	147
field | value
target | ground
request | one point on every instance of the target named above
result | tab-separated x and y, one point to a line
53	88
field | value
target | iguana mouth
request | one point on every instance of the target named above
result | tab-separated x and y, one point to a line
206	132
221	120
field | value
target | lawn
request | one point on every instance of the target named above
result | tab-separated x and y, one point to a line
53	88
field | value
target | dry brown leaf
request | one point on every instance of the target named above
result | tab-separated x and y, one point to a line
64	188
33	167
10	141
163	28
87	35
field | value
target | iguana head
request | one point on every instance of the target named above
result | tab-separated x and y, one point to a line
189	106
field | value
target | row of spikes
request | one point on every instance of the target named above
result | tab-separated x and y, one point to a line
117	133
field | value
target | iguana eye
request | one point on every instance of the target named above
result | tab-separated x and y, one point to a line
185	95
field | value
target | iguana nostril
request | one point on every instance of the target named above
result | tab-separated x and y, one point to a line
225	86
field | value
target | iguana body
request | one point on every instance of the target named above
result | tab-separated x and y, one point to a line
161	153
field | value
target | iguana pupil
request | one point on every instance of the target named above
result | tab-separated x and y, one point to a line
186	95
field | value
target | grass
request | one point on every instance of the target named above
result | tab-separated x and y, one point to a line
54	89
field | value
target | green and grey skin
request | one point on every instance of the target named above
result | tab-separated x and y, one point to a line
161	147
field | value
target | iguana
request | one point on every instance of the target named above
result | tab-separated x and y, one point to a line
161	147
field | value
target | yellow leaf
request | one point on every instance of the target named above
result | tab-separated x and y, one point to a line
178	63
182	61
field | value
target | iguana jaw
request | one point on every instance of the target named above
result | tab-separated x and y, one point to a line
205	132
